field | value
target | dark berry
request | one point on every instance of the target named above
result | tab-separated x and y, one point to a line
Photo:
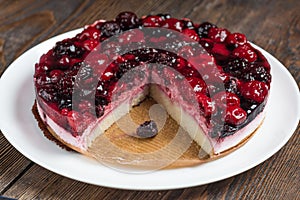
203	29
65	86
85	72
207	44
147	130
236	66
188	24
164	16
256	72
232	85
110	28
65	103
127	20
67	47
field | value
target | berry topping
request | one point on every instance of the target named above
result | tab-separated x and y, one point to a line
206	105
236	39
147	130
254	90
68	48
235	115
246	52
218	34
127	20
258	72
204	28
236	67
100	70
110	28
191	33
224	99
89	33
198	85
152	21
174	24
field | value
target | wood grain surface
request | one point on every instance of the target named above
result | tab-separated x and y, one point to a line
273	25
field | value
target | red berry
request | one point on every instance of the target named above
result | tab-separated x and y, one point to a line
218	34
235	115
134	35
152	21
198	85
64	111
192	34
224	99
174	24
90	44
206	104
236	39
89	33
220	51
245	51
254	90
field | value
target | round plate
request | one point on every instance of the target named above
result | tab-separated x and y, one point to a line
20	128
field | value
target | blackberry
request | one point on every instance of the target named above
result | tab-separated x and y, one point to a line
110	28
203	29
147	130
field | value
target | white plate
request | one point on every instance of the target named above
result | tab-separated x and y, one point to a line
20	128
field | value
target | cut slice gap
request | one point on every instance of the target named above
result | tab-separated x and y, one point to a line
172	147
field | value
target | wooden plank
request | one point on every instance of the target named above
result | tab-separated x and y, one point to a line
12	163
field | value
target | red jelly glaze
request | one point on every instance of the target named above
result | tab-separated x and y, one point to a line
243	69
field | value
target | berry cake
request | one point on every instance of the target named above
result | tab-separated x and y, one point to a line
217	94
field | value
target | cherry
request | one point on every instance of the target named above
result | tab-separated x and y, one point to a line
224	99
220	51
218	34
89	33
174	24
245	51
198	85
206	104
236	39
152	21
254	90
191	33
235	115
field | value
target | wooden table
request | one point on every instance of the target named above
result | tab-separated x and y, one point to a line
274	25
